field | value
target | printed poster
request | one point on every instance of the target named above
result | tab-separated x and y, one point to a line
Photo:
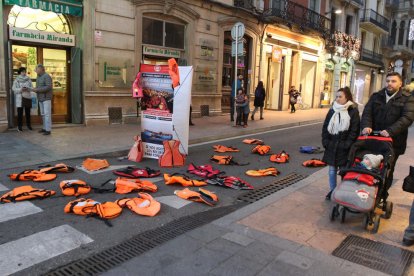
162	118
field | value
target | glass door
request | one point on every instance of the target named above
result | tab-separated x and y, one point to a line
55	62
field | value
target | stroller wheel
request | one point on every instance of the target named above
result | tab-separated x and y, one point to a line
343	214
334	213
388	210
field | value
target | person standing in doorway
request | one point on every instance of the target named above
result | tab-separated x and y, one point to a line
21	88
259	98
339	132
234	94
293	98
44	90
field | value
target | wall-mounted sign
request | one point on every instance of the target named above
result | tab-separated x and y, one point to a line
206	73
161	52
276	54
114	72
42	37
72	7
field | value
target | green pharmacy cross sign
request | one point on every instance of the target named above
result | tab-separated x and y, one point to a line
71	7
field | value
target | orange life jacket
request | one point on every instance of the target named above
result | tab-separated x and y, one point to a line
264	172
58	168
95	164
281	157
174	72
92	208
144	205
253	141
183	180
314	163
136	153
221	148
33	175
74	187
172	156
202	195
261	149
25	193
225	160
128	185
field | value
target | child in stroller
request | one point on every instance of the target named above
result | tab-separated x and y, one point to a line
362	188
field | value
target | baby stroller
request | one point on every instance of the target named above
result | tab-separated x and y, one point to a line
362	190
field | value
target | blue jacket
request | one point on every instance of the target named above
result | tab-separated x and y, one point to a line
233	91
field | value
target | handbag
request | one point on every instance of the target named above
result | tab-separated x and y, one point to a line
408	184
136	152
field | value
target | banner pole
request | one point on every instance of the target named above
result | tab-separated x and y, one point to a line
235	77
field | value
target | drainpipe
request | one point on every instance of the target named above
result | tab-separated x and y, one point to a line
261	51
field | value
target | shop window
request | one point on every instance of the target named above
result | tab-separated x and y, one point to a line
162	33
34	19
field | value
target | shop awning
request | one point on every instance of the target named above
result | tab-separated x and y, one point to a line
71	7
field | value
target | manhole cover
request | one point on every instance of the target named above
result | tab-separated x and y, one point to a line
116	255
376	255
267	190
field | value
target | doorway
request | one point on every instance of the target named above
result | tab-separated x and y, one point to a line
56	65
307	81
274	91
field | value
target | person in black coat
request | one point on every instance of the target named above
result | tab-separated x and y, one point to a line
293	98
390	111
339	132
259	98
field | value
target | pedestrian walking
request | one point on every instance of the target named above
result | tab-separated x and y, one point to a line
293	98
390	111
234	94
44	90
259	98
340	130
21	88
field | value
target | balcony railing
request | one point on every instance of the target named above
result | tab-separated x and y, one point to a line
294	14
375	18
371	57
246	4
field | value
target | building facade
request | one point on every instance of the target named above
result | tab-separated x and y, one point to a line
398	50
93	50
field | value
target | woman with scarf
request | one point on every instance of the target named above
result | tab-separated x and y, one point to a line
339	132
21	88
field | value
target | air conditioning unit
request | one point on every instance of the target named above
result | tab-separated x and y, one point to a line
259	5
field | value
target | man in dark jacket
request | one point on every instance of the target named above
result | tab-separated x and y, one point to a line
390	111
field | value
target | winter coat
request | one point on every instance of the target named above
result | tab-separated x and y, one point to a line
395	116
18	84
44	86
337	146
293	96
259	97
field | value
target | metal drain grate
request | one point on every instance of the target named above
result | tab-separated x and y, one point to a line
115	115
114	256
267	190
376	255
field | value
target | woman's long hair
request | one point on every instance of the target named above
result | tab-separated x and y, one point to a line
347	92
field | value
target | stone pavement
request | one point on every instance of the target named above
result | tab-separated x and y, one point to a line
27	148
287	233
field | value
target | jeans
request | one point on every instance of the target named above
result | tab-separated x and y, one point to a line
20	116
255	110
46	112
409	231
240	115
332	177
292	108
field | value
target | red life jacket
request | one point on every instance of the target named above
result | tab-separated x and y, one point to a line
205	171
